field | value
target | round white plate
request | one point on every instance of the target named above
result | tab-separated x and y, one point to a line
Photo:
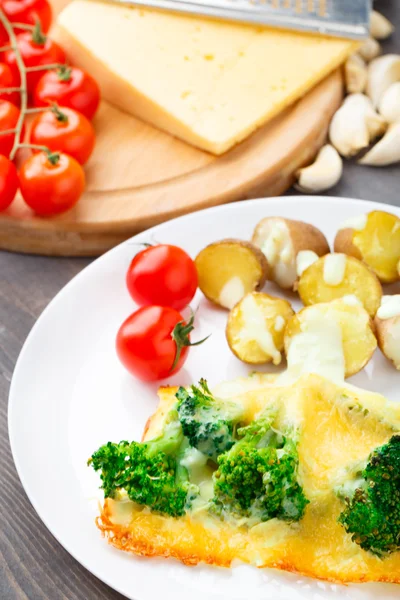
69	395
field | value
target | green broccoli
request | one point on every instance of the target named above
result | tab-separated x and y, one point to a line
208	424
372	499
151	473
257	477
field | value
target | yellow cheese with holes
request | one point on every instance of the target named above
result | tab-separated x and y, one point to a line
207	82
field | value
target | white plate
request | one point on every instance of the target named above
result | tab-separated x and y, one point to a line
69	395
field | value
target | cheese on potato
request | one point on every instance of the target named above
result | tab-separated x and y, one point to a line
207	82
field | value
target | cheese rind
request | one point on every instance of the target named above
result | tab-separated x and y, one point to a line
208	82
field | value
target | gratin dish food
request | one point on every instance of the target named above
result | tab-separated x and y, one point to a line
298	471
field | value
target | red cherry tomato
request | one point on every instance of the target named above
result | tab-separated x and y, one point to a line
9	115
163	275
68	86
51	184
9	182
28	11
8	80
153	342
36	50
65	130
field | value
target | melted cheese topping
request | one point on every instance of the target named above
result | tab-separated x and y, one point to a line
391	343
305	259
256	328
278	250
357	223
351	300
334	269
333	434
317	349
390	307
232	292
279	323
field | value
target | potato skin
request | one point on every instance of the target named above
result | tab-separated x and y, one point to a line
283	309
343	243
307	237
304	236
382	327
358	278
262	261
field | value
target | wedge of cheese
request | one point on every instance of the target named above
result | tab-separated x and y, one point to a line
207	82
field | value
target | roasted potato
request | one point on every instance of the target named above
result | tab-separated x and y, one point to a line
230	269
336	275
325	323
375	239
387	323
281	240
256	327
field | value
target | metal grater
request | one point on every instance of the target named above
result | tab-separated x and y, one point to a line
343	18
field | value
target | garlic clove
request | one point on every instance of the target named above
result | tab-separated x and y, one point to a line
355	125
324	173
380	27
356	74
370	49
382	72
389	105
386	151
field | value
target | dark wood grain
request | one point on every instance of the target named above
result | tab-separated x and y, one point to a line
33	566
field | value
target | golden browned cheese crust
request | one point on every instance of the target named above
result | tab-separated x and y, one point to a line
333	435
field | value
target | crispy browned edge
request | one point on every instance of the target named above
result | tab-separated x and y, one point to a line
265	268
121	538
232	315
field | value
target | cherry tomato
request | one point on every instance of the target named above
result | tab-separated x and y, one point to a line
51	184
9	115
36	50
8	80
163	275
65	130
9	182
153	342
27	11
68	86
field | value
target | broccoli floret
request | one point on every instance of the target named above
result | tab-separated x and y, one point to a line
372	499
151	472
208	424
257	477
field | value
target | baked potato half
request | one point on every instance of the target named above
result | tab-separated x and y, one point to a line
337	275
256	327
230	269
375	239
281	240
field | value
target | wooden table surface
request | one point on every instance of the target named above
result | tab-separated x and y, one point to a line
33	565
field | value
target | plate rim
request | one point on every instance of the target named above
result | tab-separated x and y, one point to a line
336	200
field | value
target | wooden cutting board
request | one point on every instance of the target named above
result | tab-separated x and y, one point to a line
139	176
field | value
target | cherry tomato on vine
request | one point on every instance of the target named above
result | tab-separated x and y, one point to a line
9	115
27	11
36	50
65	130
51	183
9	182
68	86
164	275
153	342
8	80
